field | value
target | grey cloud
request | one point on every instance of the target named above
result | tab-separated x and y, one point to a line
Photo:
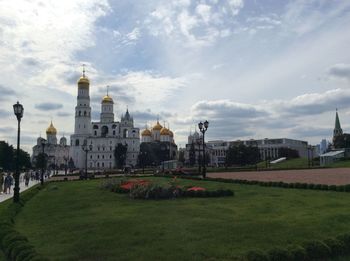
48	106
4	113
340	70
63	114
7	129
71	77
30	61
314	103
305	131
6	92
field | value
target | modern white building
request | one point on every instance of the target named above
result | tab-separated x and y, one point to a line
58	153
102	137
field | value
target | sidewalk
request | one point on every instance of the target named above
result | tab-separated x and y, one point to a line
4	196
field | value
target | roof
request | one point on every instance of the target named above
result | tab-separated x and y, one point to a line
337	122
332	153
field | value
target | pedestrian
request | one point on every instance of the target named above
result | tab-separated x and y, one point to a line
27	178
8	183
1	181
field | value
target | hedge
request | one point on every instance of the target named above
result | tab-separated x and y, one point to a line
296	185
14	245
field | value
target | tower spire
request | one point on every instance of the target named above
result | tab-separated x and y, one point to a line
83	70
337	128
107	89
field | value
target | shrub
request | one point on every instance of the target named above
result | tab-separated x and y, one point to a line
345	239
256	255
347	188
341	188
324	187
19	248
297	253
332	187
278	254
336	246
26	254
317	250
311	186
13	236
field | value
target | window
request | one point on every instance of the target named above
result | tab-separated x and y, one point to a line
98	156
114	133
110	156
77	142
103	164
90	156
104	131
103	156
79	113
95	127
95	132
84	113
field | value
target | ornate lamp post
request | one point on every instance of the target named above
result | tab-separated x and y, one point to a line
86	149
203	128
43	143
18	110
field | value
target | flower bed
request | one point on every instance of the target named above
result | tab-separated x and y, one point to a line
144	189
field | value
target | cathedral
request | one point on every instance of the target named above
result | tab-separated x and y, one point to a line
94	143
58	153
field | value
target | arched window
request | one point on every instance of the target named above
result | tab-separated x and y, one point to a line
104	131
103	164
98	164
95	133
79	113
95	127
114	133
84	113
77	142
125	133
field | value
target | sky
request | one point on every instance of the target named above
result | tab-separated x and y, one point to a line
253	69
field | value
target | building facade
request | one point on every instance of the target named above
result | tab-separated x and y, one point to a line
57	153
94	143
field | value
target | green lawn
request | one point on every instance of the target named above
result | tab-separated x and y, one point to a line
341	164
80	221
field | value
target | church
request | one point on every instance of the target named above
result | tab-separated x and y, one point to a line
94	143
58	153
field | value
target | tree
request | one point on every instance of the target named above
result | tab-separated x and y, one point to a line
120	155
8	157
182	156
71	164
41	161
288	153
192	156
242	155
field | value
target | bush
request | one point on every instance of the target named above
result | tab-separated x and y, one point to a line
341	188
256	255
25	254
336	246
19	248
316	250
347	188
332	187
297	253
13	236
311	186
278	254
345	239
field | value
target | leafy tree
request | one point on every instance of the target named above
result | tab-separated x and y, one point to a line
192	155
242	155
6	156
120	155
288	153
41	161
24	159
182	156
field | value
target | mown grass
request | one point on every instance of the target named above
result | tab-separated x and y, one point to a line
80	221
341	164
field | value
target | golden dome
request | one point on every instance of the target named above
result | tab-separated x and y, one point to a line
83	82
171	133
164	131
51	129
107	99
146	132
157	127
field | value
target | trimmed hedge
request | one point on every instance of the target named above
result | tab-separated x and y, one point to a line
280	184
14	245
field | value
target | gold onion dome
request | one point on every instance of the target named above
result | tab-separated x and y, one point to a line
171	133
157	127
107	99
83	81
146	132
164	131
51	129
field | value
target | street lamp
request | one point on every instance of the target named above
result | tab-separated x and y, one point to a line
43	143
203	128
86	149
18	110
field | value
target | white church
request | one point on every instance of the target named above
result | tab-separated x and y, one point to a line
101	138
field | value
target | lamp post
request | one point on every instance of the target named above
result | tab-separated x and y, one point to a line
43	143
18	110
203	126
86	149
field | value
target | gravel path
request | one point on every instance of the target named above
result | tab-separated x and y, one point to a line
335	176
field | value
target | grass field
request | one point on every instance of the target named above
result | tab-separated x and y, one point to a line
80	221
341	164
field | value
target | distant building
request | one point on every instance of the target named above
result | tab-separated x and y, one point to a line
323	146
269	148
58	153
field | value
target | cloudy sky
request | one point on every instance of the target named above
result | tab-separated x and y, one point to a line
253	69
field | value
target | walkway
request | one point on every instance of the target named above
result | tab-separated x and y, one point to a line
4	196
329	176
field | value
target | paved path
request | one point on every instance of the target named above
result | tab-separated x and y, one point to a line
331	176
4	196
